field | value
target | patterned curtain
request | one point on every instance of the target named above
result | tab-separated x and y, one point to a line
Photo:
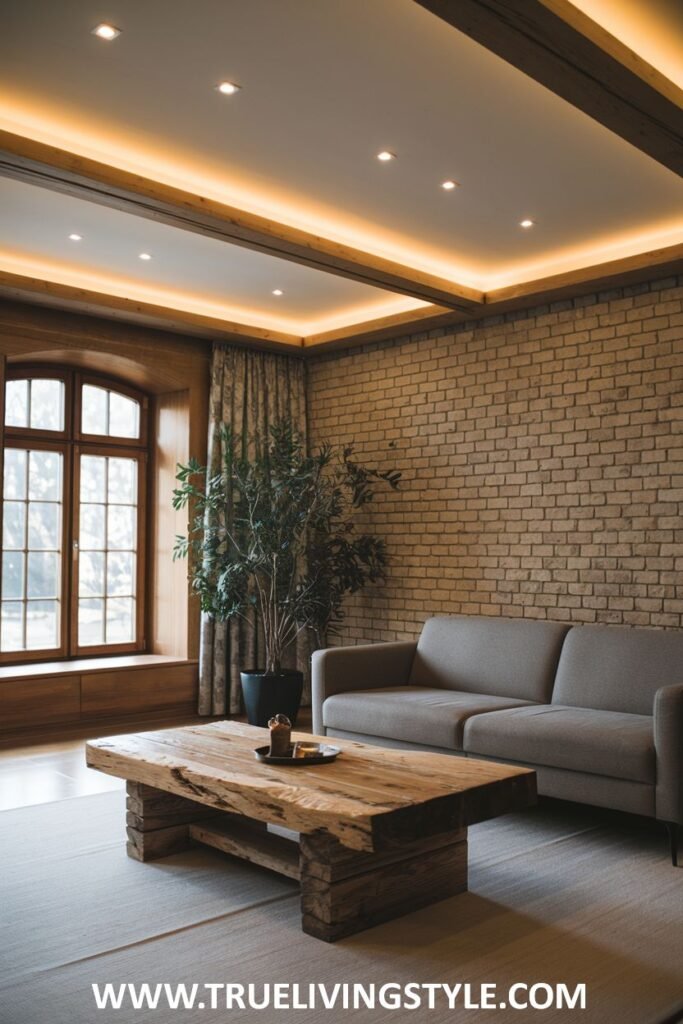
249	390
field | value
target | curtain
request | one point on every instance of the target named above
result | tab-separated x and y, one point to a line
249	391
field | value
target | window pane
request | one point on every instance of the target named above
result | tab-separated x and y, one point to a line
91	574
42	579
124	416
120	628
121	527
108	557
90	622
12	575
123	481
120	573
94	410
47	404
13	525
15	473
12	631
43	525
93	478
107	412
45	476
41	624
31	581
16	403
92	527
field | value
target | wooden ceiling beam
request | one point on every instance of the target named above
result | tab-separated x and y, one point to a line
34	162
559	46
23	288
619	273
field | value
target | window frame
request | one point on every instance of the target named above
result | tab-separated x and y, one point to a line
83	650
72	443
40	444
100	381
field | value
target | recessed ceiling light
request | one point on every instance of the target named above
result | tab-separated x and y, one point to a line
106	31
386	155
75	237
145	256
449	185
228	88
526	223
277	291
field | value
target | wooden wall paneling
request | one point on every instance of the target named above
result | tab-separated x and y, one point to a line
170	608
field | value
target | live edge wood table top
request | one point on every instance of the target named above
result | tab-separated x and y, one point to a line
381	831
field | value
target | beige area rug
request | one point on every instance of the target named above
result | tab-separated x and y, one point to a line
560	894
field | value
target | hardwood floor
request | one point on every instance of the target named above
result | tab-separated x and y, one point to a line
40	768
37	769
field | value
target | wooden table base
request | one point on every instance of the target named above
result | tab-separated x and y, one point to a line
342	891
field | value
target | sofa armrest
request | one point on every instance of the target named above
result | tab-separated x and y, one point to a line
367	667
668	713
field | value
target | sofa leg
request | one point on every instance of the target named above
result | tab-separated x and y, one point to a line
672	828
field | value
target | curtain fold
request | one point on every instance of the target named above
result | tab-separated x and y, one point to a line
249	391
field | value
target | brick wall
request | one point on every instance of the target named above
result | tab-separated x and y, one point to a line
542	462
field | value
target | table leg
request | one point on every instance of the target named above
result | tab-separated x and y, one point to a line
343	892
158	822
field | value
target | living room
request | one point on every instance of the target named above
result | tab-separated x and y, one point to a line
341	649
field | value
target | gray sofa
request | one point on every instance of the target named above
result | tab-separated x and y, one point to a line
597	711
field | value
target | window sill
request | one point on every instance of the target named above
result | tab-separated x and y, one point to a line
88	666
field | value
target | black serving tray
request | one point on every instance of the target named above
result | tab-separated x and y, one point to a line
327	755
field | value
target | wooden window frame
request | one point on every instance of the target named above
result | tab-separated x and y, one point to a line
72	443
100	381
36	443
112	451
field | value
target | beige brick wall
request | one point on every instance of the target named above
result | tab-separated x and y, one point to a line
542	461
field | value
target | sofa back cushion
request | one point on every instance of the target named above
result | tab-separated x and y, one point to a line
617	668
487	654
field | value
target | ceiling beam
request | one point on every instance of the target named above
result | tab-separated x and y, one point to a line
23	288
49	167
619	273
559	46
428	318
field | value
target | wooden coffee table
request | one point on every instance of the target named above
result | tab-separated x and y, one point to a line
380	832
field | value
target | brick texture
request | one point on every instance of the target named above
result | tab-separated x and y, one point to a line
542	461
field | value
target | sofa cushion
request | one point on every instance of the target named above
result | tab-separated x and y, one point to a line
609	743
413	713
514	658
617	668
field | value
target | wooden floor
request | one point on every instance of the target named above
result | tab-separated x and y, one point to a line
40	769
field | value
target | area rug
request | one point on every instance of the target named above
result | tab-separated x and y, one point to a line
558	895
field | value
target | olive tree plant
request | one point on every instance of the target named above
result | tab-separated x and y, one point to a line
275	528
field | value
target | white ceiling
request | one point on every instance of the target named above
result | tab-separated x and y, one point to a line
326	84
221	280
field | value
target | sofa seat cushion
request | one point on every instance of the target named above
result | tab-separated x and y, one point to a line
417	714
609	743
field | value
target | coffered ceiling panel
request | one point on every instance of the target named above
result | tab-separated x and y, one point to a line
324	87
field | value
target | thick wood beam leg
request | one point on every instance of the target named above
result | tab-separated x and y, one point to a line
157	823
343	892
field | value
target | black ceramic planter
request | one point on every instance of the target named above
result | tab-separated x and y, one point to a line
271	693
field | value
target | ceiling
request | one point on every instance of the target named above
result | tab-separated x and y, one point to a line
324	88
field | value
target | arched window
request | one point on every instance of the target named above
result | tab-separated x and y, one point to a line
73	515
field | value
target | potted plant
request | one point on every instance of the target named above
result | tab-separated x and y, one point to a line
274	530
